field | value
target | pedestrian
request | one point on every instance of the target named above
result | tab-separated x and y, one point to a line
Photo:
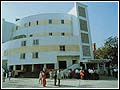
44	78
50	73
4	75
9	74
55	78
40	77
82	74
59	77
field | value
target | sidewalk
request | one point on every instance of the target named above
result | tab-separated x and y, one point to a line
65	83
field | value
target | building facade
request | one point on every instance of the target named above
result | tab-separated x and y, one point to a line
50	40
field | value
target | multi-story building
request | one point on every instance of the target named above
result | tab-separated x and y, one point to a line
50	40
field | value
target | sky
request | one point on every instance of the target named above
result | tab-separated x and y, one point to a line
103	16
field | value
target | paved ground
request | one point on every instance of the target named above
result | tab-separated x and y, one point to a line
65	83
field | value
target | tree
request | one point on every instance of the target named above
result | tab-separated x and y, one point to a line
109	50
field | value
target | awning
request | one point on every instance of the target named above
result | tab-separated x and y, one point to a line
96	60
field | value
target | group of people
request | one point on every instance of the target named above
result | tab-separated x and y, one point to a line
56	76
7	74
89	74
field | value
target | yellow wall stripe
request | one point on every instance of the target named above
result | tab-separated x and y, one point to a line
26	49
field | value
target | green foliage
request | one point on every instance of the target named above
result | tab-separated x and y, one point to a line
109	50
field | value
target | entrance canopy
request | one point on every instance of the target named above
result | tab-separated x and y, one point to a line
96	60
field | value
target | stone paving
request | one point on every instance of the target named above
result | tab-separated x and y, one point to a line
65	83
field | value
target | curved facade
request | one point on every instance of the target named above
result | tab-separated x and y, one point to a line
51	40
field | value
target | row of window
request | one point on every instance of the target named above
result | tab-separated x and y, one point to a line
35	54
35	42
86	52
31	35
50	21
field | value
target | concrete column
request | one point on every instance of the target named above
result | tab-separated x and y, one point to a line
98	67
44	67
85	65
22	67
56	65
104	68
14	67
32	67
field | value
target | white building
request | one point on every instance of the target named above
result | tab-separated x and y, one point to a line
50	40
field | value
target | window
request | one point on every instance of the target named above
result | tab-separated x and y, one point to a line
81	11
31	35
62	21
16	27
18	67
35	55
22	56
36	42
86	50
62	34
83	25
29	23
23	43
5	53
50	34
50	21
84	38
20	36
37	22
62	47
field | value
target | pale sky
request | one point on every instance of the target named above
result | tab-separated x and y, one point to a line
103	16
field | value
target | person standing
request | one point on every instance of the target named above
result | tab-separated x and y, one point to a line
4	75
40	77
44	78
55	78
9	74
82	74
59	77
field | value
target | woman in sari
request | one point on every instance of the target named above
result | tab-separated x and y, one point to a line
44	79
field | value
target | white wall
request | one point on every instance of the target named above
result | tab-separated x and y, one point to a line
7	30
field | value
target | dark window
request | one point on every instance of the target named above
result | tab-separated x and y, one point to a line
35	55
62	48
62	21
20	36
86	50
62	65
22	56
50	34
37	22
50	21
62	34
23	43
27	68
81	11
16	27
50	66
31	35
29	23
18	67
36	42
83	25
84	38
74	61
